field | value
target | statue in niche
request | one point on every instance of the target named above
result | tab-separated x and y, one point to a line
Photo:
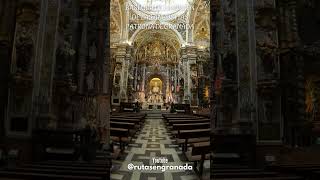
194	76
93	51
24	49
157	51
181	81
155	88
268	53
90	81
117	79
118	67
194	72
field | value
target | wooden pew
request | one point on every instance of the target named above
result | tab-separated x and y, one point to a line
199	153
137	115
174	128
132	122
120	135
171	122
183	119
193	136
138	123
190	126
125	125
129	116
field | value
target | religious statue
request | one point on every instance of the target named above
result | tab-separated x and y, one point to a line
194	71
155	88
157	51
118	67
25	48
117	79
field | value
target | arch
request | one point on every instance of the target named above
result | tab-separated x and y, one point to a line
161	76
135	34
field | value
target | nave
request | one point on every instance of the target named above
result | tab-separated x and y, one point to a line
137	138
153	141
185	138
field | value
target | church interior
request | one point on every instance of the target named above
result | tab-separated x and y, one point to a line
160	89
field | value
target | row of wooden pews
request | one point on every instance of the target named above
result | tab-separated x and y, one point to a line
124	127
192	134
59	152
62	170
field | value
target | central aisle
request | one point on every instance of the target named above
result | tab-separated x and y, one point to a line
153	141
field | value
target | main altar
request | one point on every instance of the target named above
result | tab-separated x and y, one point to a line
155	98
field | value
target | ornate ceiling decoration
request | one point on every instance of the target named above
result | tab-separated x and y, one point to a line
200	17
115	21
157	47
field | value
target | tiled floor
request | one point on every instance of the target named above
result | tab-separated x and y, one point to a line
153	141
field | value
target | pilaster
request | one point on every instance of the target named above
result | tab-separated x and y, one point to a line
246	64
45	63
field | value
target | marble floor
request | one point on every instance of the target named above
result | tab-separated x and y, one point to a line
152	142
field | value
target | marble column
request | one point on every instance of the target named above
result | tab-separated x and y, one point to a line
175	83
127	73
201	82
185	75
168	87
136	66
121	59
144	71
191	59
